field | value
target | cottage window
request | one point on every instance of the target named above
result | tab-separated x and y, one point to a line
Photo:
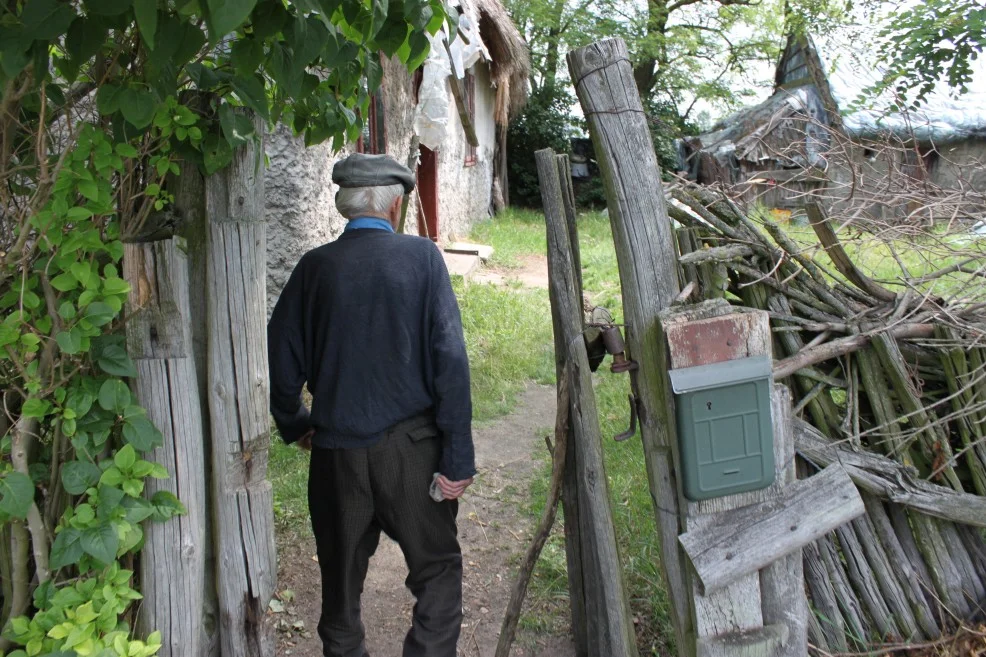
373	140
469	87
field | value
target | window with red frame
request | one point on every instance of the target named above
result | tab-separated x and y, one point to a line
373	140
469	89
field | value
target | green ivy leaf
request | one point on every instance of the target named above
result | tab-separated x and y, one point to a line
46	19
203	76
146	13
16	494
227	15
84	39
125	458
66	550
35	407
115	360
108	98
137	107
77	476
101	543
137	508
166	505
115	285
108	7
70	342
114	395
110	498
250	90
89	189
99	314
142	434
237	128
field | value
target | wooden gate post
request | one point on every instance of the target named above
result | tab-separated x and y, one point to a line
608	627
159	339
236	261
645	253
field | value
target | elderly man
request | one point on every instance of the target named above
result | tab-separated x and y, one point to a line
371	324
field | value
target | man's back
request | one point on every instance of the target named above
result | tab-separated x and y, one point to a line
377	325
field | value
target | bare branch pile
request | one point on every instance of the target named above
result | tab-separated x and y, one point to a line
888	362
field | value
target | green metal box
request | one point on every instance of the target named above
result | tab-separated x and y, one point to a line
725	432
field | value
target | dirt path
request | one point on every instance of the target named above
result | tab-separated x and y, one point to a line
492	531
532	272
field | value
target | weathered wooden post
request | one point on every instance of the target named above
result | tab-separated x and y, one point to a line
199	345
236	261
608	628
159	339
645	254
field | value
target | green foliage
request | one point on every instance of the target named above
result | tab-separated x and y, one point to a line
83	619
544	123
928	42
102	101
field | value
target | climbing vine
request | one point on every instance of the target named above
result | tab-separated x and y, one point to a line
103	101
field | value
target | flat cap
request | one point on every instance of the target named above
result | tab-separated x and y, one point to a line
359	170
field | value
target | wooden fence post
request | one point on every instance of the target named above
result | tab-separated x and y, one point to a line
608	626
553	207
645	254
159	339
236	257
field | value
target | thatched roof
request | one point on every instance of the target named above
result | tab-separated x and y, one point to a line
510	67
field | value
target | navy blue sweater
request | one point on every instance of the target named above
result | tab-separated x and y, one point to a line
371	324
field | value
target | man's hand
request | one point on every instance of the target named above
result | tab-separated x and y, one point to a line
453	490
305	442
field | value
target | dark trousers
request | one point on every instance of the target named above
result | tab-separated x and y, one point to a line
353	494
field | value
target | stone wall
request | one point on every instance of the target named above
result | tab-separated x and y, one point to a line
300	196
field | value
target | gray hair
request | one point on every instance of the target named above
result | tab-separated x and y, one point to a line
356	201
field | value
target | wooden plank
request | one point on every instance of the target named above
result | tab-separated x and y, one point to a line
752	537
236	260
713	332
717	339
889	480
699	335
782	583
735	607
609	627
173	560
645	254
767	641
